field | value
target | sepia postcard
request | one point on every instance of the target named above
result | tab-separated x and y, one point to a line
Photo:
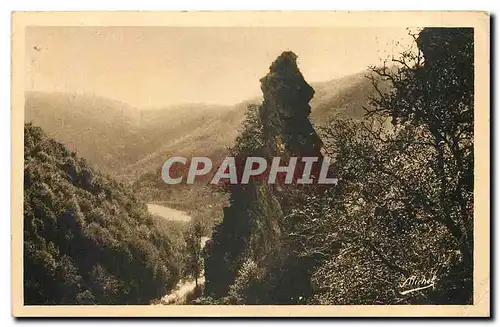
250	164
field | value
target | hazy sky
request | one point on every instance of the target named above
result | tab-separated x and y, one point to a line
159	66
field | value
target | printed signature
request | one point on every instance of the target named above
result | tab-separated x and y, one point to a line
416	283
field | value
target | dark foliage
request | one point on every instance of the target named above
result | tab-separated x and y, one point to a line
87	239
403	206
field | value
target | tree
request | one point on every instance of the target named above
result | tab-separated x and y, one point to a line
404	202
252	226
193	237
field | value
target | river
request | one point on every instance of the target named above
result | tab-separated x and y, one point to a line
168	213
182	288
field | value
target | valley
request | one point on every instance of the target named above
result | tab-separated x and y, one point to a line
132	144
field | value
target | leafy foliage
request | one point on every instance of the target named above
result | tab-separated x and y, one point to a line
87	239
247	287
403	208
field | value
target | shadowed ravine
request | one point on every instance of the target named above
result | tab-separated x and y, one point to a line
184	287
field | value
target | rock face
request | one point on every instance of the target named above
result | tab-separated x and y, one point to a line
251	229
285	111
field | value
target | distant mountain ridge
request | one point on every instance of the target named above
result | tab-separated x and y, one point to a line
125	141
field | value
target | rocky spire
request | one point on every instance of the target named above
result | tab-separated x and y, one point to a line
285	110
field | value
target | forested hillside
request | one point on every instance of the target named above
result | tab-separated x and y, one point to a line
81	121
87	238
